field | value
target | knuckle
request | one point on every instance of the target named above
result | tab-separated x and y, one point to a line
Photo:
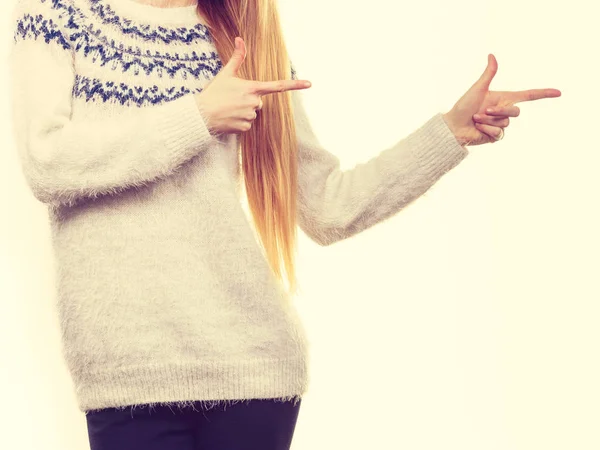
253	87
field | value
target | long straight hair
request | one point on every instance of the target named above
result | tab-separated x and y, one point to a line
269	149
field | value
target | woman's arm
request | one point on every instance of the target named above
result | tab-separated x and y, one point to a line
334	205
64	160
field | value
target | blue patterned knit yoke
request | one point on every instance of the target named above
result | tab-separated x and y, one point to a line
75	32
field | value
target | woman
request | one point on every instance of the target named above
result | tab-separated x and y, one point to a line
135	121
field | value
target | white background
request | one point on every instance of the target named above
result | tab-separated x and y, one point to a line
469	320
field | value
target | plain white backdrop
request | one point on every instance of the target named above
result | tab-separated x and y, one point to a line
469	320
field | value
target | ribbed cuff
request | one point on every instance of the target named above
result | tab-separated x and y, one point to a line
435	148
184	127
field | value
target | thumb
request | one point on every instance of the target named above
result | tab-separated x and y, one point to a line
489	73
237	58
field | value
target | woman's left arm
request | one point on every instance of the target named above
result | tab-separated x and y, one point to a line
334	205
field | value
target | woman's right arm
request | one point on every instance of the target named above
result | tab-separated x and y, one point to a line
65	160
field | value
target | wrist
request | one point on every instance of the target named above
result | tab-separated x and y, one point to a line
453	128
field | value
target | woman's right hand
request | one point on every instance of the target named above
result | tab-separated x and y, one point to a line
229	103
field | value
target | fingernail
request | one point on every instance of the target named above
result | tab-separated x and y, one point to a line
476	116
489	110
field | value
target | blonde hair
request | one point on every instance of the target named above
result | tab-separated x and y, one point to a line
269	149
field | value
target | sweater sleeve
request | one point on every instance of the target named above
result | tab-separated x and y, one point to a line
63	159
334	205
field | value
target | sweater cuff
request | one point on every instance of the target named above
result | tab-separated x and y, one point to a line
436	148
185	127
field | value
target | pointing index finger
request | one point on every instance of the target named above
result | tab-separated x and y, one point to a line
270	87
533	94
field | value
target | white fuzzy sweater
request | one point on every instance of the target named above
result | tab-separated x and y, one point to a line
163	293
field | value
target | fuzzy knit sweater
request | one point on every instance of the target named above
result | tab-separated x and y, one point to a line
163	293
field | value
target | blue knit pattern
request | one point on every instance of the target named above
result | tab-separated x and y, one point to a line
32	27
197	65
95	89
75	35
148	32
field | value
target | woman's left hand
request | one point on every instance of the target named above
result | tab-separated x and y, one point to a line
469	120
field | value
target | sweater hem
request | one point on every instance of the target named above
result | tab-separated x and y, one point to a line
208	383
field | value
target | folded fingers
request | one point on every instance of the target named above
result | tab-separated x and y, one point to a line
507	111
491	120
491	131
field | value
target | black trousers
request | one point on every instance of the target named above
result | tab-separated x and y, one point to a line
258	424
